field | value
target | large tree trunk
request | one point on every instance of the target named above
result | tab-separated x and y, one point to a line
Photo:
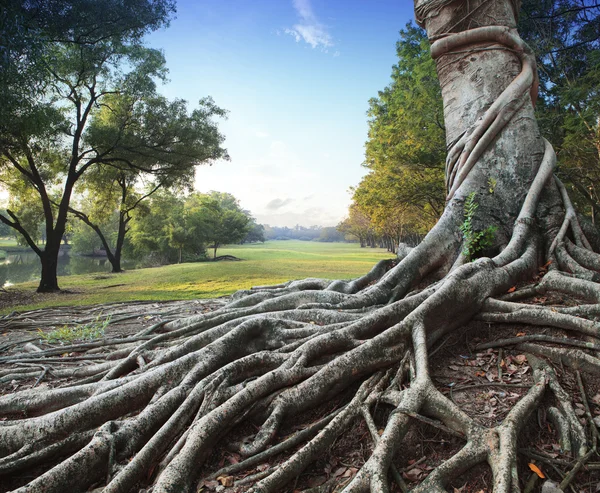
151	415
49	274
116	262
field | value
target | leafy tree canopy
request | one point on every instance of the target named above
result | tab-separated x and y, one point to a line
80	93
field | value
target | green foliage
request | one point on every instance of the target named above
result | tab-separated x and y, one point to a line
84	332
154	144
218	217
156	229
176	228
474	241
406	118
256	232
403	194
565	35
78	87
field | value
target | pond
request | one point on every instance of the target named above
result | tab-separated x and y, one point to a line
25	266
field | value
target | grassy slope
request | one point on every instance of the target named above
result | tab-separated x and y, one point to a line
269	263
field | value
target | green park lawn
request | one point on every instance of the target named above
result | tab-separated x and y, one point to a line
269	263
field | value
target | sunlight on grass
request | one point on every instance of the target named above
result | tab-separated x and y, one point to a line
85	332
269	263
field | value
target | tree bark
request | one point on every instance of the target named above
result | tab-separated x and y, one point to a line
49	273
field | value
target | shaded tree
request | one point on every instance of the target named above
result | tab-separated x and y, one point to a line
71	57
161	229
565	35
256	232
173	143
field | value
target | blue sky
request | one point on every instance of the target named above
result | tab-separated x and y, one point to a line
296	77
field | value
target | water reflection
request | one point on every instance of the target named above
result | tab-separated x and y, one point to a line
25	266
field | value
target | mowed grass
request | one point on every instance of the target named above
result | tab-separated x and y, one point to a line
11	244
270	263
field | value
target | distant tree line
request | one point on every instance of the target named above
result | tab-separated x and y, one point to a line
403	194
302	233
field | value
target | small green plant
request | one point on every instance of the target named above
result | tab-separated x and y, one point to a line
84	332
491	184
474	241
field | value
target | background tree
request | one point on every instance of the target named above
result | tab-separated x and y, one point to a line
404	189
256	232
359	225
161	232
71	56
219	217
174	142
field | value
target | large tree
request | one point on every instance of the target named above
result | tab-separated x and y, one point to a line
403	193
361	349
152	144
58	67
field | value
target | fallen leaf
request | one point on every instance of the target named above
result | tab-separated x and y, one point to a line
536	470
520	358
413	474
226	480
316	481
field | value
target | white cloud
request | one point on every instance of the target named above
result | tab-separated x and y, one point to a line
278	203
313	216
309	29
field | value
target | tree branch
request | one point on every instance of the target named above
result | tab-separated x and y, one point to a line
15	224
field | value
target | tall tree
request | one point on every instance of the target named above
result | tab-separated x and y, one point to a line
219	217
405	150
406	124
282	351
75	54
153	144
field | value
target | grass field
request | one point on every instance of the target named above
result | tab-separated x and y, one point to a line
9	245
269	263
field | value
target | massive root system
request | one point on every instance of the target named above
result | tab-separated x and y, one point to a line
147	412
